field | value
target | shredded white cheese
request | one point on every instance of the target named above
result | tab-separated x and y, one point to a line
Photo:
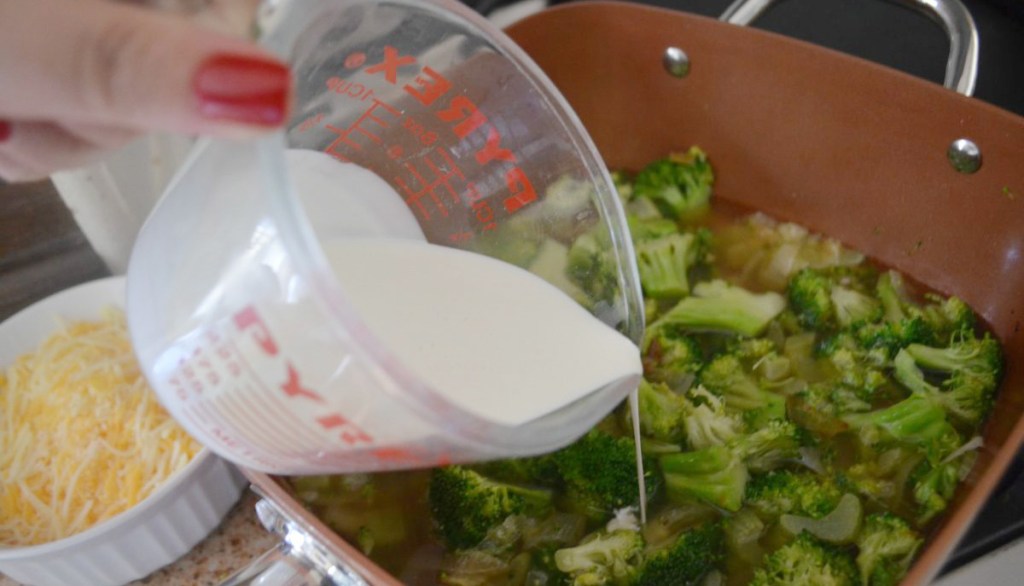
82	436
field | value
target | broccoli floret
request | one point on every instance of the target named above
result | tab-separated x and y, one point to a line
915	420
846	397
763	358
886	546
514	242
715	475
679	185
661	412
567	202
892	293
551	264
857	370
971	368
933	488
726	377
590	265
664	264
706	421
827	299
809	297
813	409
672	357
465	504
600	473
829	344
948	316
693	554
966	394
978	357
935	481
644	229
806	561
904	322
717	305
751	350
890	337
820	407
782	492
853	307
602	558
886	574
768	447
641	207
535	471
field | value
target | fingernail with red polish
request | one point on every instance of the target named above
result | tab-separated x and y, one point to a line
5	130
243	89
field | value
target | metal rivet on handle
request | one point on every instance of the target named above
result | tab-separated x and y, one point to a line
676	62
964	155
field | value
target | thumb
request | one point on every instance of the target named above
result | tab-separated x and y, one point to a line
111	63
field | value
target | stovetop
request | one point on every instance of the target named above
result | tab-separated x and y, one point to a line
899	38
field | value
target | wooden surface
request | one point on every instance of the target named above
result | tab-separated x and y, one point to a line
41	248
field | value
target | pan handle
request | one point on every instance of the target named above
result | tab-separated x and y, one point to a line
299	560
952	16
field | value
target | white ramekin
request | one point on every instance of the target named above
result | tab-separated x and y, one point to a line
153	533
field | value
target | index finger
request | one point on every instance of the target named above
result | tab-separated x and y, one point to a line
108	63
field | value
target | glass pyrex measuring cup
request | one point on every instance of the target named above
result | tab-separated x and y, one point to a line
241	326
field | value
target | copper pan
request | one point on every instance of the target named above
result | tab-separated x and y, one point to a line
842	146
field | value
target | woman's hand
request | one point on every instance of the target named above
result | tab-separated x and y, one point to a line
81	77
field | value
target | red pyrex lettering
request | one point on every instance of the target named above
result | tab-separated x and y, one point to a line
463	117
249	322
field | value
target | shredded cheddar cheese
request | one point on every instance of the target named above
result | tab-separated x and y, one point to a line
82	436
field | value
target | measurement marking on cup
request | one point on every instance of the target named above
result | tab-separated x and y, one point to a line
228	440
250	324
432	179
249	437
419	131
457	112
224	379
362	127
355	60
249	411
350	89
279	408
311	122
271	429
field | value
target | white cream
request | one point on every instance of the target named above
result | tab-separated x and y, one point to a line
346	200
492	338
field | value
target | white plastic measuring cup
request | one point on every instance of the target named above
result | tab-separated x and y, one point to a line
237	319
